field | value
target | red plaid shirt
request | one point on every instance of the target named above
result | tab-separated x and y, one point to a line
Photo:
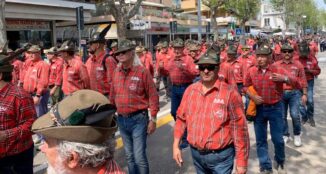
75	76
111	64
134	90
164	58
247	62
226	74
55	77
310	63
182	70
296	69
97	73
17	115
146	60
214	119
36	78
236	67
18	66
270	91
111	167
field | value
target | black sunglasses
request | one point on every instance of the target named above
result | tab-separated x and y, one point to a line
118	54
208	67
287	51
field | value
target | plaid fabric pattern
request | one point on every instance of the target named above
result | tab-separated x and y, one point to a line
18	66
134	90
23	70
55	74
97	73
226	74
17	115
111	64
247	62
147	63
75	76
165	58
296	69
270	91
111	167
236	67
183	70
310	63
36	78
214	119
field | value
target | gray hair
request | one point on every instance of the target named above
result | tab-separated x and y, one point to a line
90	155
136	60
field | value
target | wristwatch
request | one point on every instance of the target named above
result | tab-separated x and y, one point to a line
153	119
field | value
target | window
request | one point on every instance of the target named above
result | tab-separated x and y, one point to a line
266	22
266	9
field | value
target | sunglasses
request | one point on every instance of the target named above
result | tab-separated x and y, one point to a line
208	67
287	51
124	52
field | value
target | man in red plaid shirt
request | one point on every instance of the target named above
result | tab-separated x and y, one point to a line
133	92
212	113
75	76
267	79
55	74
98	64
17	114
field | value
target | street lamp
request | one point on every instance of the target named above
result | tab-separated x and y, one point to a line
303	28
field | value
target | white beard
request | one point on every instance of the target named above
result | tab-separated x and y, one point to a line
58	168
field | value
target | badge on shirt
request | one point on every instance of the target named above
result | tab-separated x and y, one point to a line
3	109
135	78
133	87
99	68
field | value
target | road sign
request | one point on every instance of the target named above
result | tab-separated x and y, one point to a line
238	31
140	25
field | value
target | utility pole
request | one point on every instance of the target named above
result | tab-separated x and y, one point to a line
199	19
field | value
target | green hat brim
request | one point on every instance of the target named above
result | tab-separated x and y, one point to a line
123	50
207	61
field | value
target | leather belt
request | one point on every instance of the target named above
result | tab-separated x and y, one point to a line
145	111
208	151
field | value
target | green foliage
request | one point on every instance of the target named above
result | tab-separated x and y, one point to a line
244	10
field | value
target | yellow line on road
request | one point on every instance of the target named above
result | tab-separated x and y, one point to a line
160	122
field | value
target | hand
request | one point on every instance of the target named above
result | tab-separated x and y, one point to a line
241	170
52	91
36	100
151	127
278	77
304	100
258	99
177	155
161	64
2	136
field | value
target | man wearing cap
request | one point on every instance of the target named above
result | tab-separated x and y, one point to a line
144	59
236	68
226	73
79	135
100	65
193	52
55	74
292	94
114	47
75	75
277	51
36	80
267	79
17	114
162	60
312	70
18	65
212	113
247	59
133	92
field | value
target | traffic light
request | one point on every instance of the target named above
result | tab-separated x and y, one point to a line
247	29
80	18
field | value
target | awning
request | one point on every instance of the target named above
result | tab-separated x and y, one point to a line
112	33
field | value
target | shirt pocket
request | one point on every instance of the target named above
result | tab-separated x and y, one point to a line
136	86
99	73
72	76
34	74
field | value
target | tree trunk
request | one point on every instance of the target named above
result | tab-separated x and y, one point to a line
3	32
242	36
214	24
122	27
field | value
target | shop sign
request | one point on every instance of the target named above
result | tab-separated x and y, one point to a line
26	24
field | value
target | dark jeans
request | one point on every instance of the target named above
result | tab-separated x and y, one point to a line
291	99
167	85
133	131
274	115
21	163
240	86
176	97
214	163
307	112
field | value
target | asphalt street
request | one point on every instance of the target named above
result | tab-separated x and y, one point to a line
310	158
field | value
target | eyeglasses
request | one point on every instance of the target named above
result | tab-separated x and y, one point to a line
287	51
124	52
208	67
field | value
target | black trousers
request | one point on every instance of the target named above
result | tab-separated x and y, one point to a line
21	163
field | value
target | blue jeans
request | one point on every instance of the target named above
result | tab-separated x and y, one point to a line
274	115
133	131
214	163
292	99
307	112
176	97
42	107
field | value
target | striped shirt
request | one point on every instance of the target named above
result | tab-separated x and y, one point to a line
214	120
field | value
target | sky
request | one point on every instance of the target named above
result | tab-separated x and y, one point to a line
320	4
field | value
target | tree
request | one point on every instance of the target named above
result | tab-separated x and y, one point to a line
3	32
122	12
213	6
243	10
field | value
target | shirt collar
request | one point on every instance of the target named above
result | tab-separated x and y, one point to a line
290	62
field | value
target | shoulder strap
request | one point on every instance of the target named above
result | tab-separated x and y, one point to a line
104	60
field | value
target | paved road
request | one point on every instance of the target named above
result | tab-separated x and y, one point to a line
308	159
